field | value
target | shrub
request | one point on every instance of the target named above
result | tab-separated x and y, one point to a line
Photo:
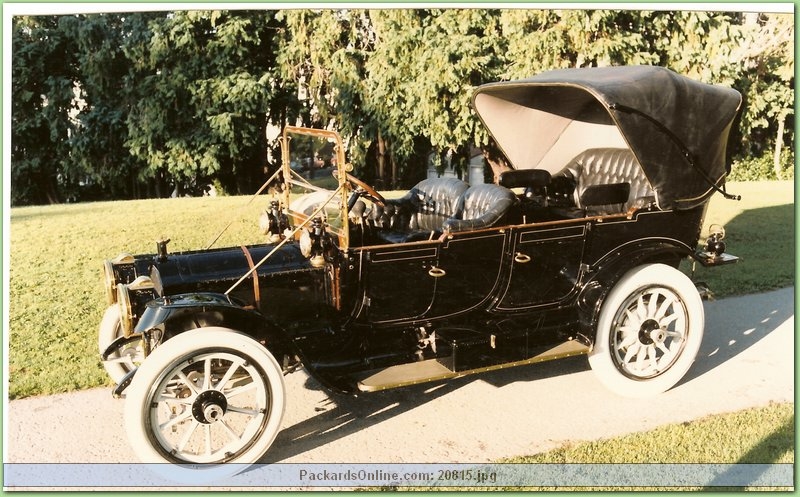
761	168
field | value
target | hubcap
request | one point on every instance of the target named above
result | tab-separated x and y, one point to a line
649	332
209	407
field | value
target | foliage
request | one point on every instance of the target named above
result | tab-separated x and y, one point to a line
140	104
422	73
540	40
324	52
42	79
763	168
200	111
98	146
767	83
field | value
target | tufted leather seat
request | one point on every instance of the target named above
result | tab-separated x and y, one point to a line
607	166
428	204
480	206
438	204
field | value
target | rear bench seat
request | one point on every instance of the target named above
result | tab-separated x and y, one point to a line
604	172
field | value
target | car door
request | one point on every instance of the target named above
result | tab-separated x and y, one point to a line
397	285
545	263
467	271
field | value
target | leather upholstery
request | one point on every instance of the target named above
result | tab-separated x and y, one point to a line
479	207
611	194
427	205
603	166
439	204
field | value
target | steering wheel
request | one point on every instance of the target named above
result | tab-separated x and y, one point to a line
363	189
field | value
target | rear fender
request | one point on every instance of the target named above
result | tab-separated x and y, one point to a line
603	275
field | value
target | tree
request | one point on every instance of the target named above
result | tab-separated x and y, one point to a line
541	40
421	76
141	104
768	58
396	82
325	51
202	103
98	146
43	105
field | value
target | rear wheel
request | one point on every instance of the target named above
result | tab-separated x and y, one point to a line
649	331
203	398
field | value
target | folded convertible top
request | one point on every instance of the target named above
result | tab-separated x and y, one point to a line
676	127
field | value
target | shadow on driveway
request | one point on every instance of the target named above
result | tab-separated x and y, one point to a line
735	324
732	326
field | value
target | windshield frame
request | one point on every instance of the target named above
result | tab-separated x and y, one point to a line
292	178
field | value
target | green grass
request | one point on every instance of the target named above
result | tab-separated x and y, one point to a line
56	253
758	435
760	230
55	286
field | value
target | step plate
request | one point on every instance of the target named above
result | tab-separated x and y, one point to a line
432	370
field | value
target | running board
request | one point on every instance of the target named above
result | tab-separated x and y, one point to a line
432	369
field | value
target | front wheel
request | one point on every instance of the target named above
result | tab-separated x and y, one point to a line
649	331
203	398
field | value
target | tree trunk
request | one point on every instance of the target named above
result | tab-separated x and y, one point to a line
379	182
49	189
776	162
393	185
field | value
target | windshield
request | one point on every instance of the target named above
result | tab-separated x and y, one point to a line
314	184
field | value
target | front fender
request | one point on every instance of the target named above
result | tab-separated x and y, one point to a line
166	317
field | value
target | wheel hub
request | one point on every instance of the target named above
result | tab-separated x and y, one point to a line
209	407
650	333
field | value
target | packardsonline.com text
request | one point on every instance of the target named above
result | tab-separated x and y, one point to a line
378	477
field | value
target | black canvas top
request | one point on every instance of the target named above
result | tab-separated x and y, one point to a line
676	127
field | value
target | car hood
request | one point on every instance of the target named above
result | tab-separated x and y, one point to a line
676	127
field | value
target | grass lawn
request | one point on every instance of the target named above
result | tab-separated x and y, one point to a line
56	294
760	229
56	297
724	438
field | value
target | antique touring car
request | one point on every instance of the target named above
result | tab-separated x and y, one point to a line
574	251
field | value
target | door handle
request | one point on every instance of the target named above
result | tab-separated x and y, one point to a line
437	272
522	258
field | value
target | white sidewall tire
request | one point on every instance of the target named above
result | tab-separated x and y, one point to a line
601	358
110	330
167	356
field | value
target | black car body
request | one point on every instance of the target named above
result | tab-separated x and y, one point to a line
575	251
